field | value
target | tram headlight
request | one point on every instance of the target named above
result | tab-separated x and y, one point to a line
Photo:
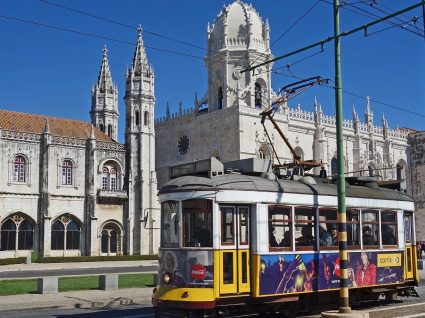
166	278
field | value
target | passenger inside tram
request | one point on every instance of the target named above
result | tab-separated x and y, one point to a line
368	238
201	235
306	238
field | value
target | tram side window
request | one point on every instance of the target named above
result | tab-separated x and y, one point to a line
227	225
353	228
370	229
389	227
170	224
197	223
280	224
328	229
304	228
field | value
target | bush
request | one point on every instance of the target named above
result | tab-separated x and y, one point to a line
17	260
73	259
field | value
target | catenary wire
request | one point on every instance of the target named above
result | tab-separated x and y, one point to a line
409	22
94	35
410	19
120	24
360	96
370	15
287	30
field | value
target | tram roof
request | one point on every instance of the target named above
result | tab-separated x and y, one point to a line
240	182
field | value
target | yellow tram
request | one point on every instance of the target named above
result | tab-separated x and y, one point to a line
237	236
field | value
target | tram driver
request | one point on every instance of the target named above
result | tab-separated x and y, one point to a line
202	235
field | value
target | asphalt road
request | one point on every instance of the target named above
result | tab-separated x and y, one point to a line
78	271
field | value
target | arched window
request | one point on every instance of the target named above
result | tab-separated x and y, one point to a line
110	176
137	117
65	234
111	240
72	236
400	172
25	235
334	166
146	118
16	233
67	172
8	236
299	152
113	179
105	177
58	235
102	127
264	152
220	98
258	95
19	169
110	130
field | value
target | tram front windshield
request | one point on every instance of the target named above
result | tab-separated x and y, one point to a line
196	225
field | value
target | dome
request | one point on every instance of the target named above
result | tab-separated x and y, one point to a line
237	21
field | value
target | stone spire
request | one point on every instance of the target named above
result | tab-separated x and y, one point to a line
104	81
368	113
384	126
139	59
104	112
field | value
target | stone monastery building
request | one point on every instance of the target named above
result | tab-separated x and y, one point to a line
225	123
68	188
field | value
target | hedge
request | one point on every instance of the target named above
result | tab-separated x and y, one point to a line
74	259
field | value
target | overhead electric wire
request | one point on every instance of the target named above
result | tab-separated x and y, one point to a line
360	96
374	4
120	24
94	35
376	7
410	19
287	30
370	15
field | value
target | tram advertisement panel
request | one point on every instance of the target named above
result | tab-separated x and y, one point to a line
187	268
290	273
375	268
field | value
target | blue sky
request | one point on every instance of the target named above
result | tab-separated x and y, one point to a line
51	72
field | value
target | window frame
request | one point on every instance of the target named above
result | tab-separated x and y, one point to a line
327	221
312	223
389	223
359	227
67	172
371	225
288	222
20	167
224	223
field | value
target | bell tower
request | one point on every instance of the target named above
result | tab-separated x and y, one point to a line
143	207
104	111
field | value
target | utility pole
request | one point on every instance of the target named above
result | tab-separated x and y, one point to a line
344	303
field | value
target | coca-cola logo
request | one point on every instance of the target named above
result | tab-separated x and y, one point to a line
198	272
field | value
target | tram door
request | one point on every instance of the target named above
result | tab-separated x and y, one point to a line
410	247
234	251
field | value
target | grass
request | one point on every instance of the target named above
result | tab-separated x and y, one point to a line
28	286
18	286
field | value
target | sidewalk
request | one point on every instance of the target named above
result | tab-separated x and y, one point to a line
81	299
77	299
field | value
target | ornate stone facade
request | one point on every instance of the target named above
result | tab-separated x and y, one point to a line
417	162
225	123
68	188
